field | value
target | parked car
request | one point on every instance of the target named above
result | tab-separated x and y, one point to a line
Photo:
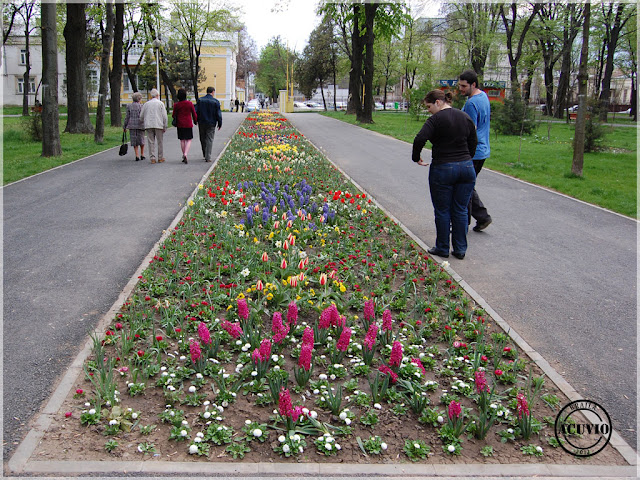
341	105
253	105
314	106
378	106
627	111
300	106
573	109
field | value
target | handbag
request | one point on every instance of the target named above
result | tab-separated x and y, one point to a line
124	147
174	122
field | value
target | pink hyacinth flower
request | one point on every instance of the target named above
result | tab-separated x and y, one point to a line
265	349
325	318
481	382
203	333
343	341
292	314
522	405
396	354
454	410
282	334
370	338
387	323
369	310
196	353
233	329
285	407
276	323
243	309
304	361
307	336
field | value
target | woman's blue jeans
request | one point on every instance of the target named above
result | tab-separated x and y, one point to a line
451	185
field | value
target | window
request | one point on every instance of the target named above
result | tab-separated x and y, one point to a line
126	84
93	80
32	85
23	57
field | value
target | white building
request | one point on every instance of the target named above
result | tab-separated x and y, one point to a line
14	60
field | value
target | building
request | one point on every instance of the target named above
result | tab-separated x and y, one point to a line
217	59
14	60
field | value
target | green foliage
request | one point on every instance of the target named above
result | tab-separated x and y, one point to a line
274	60
514	117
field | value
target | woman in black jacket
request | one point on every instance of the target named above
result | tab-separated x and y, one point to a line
451	176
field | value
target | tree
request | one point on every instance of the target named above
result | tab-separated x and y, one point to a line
50	124
366	21
583	78
315	67
75	38
107	38
192	21
135	32
115	77
473	25
416	59
514	23
272	67
9	12
387	65
28	11
614	25
247	57
555	34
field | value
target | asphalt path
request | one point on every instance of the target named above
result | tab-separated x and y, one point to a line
561	272
73	237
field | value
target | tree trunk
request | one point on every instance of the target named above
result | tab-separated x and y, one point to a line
563	85
365	115
583	78
75	33
354	104
115	78
27	72
107	38
50	119
611	43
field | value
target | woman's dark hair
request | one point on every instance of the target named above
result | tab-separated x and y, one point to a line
434	95
182	94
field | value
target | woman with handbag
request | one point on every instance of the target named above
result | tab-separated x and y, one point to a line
135	126
184	117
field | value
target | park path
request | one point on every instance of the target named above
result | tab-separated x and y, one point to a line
73	237
561	272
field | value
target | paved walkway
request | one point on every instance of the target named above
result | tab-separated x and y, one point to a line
561	272
73	236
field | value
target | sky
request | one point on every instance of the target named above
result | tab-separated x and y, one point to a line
293	20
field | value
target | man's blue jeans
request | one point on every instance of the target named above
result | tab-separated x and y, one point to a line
451	185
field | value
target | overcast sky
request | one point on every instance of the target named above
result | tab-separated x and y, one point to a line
294	20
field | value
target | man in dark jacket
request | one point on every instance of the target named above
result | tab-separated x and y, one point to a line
209	116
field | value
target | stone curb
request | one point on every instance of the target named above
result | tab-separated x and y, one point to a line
20	462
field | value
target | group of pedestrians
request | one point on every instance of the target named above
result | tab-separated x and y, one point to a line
152	119
460	140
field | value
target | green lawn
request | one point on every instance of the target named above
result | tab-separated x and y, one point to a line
22	157
544	158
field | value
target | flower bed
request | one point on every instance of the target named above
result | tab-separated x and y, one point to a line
287	317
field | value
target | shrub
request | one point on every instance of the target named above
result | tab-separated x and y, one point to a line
514	117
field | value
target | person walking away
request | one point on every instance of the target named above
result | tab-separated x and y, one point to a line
209	116
242	105
185	114
262	103
451	176
154	117
135	126
478	108
237	104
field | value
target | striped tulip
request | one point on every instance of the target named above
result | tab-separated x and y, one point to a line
293	281
275	209
289	224
301	264
283	264
323	279
301	277
332	274
276	225
265	257
285	246
284	216
259	286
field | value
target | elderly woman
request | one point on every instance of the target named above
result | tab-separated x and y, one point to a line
451	176
134	124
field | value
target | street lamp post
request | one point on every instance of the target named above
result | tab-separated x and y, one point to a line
156	44
215	82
